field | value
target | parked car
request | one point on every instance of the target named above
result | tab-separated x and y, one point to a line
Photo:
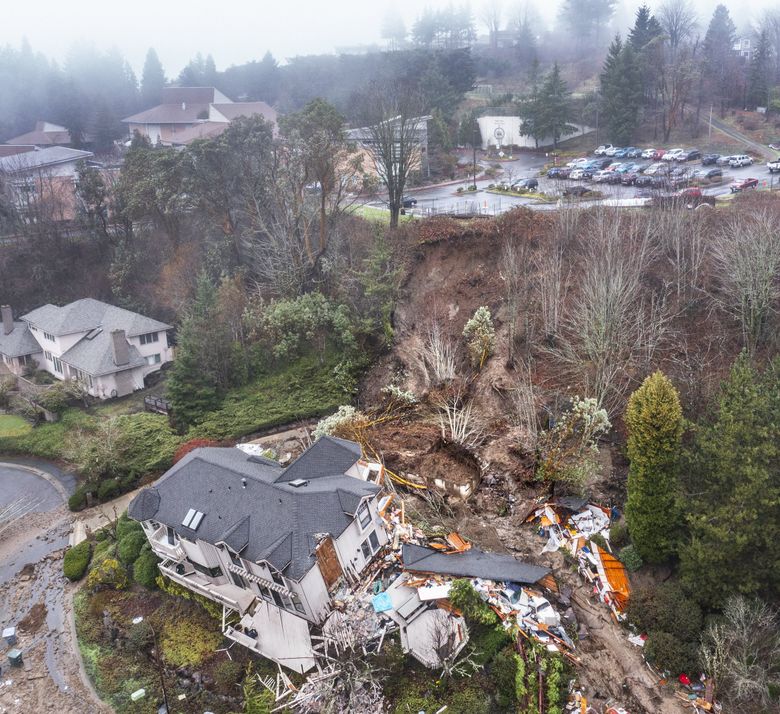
690	193
526	184
602	150
611	151
724	160
621	153
660	182
742	184
655	169
576	190
576	163
627	179
740	160
615	177
580	174
658	154
643	181
673	154
648	153
713	175
599	164
408	202
690	155
773	165
709	159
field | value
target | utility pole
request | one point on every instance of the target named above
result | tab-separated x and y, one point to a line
709	135
474	148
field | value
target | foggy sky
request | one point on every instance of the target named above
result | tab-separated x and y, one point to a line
236	31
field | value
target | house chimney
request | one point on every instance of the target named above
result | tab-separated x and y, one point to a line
184	106
8	319
119	348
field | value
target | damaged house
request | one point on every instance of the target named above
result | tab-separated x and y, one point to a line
272	545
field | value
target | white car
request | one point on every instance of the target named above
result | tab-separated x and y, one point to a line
579	175
673	154
601	176
575	163
648	153
740	160
602	150
653	169
611	151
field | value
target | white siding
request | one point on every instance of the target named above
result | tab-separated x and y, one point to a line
348	543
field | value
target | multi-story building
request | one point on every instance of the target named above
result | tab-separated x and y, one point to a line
108	349
271	544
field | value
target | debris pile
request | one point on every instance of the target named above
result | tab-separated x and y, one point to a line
570	524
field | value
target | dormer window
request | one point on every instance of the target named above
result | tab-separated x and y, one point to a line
150	337
363	515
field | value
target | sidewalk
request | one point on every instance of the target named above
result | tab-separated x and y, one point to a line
92	519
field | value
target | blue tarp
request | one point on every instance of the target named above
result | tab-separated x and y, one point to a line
382	602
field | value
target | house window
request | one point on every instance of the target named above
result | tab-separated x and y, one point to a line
265	593
364	515
238	580
48	356
57	365
235	559
153	359
215	572
374	541
171	536
366	549
296	601
49	337
277	598
278	579
91	383
150	337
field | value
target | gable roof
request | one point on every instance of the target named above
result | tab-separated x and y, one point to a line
234	110
41	158
201	130
202	95
18	342
44	134
87	314
95	355
182	113
328	456
250	507
472	563
8	150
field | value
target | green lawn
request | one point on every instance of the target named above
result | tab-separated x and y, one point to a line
12	425
377	215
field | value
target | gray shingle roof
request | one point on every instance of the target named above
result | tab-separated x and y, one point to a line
96	357
250	505
88	313
18	342
170	114
41	158
473	563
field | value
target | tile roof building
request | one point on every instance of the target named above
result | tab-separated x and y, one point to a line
189	113
44	134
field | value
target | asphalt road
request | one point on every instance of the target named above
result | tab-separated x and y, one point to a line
446	199
18	483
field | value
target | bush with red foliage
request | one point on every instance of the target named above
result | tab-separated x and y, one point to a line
188	446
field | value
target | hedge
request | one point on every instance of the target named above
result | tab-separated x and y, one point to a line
76	560
145	570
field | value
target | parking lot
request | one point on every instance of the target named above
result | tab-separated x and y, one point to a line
446	199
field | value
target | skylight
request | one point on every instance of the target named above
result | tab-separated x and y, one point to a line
192	519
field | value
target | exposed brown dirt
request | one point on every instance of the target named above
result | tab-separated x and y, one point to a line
33	620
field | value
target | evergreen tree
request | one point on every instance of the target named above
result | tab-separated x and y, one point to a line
646	28
152	80
555	107
209	72
720	64
105	129
732	475
207	361
760	72
655	425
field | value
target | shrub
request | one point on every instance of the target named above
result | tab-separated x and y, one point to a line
187	643
79	499
671	653
599	540
145	570
665	608
76	560
630	557
480	336
110	574
108	489
227	674
141	636
173	588
469	701
503	672
618	534
126	525
129	548
465	598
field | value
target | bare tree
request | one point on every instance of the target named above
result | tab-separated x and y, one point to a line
678	19
550	288
394	137
459	421
436	355
747	257
524	405
515	269
682	238
491	15
611	324
741	652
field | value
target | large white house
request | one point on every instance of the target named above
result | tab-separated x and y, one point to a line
108	349
270	544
